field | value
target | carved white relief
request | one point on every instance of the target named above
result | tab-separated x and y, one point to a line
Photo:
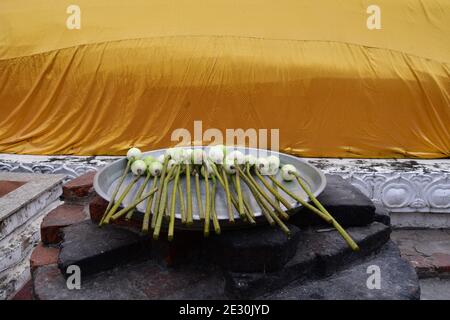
398	191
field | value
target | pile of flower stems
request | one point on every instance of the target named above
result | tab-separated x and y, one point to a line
264	188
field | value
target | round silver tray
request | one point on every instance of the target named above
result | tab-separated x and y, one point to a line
107	178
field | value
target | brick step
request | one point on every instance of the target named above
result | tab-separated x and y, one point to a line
427	250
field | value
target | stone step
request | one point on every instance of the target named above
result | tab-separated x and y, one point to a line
109	248
397	280
318	254
21	212
348	205
95	249
150	280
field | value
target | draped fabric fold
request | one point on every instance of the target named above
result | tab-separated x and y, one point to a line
137	70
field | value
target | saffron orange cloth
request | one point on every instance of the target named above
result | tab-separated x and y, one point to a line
137	70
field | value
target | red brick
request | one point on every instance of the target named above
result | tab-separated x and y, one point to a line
25	293
8	186
97	208
79	188
43	256
441	261
424	266
58	218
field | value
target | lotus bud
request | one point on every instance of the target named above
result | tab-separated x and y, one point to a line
207	169
262	164
148	160
236	156
198	156
134	154
229	166
170	152
161	158
288	172
138	167
177	155
155	168
250	159
170	164
187	156
216	154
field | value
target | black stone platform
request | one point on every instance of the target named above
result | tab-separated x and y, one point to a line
118	263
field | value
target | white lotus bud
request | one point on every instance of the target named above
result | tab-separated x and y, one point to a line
148	160
262	164
198	156
229	166
170	152
236	156
274	162
187	155
170	164
134	154
155	168
250	159
288	172
177	155
207	169
216	154
138	167
161	158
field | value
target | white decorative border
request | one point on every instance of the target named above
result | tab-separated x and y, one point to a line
400	185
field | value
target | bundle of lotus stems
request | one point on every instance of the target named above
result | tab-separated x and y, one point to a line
220	168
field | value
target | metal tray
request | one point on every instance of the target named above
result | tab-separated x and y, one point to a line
107	178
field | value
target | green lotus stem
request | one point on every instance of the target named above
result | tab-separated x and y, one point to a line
119	201
273	216
175	175
199	196
173	205
116	190
188	192
148	209
161	185
228	196
274	186
182	206
222	182
213	207
162	207
264	209
283	214
238	190
247	209
338	227
301	201
207	205
133	205
274	192
138	195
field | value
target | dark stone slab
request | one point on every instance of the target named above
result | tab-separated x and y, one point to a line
382	214
398	281
137	280
348	205
318	254
95	249
261	249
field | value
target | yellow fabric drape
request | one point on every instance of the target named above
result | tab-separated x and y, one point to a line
139	69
